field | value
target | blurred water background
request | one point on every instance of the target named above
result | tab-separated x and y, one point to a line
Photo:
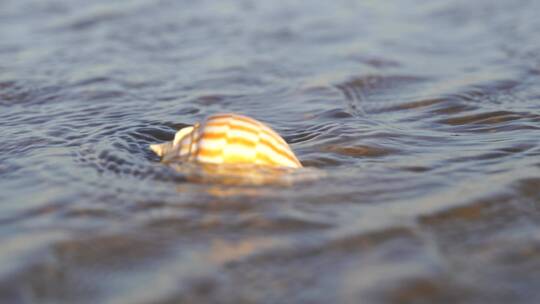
424	115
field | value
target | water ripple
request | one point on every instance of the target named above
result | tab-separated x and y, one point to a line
417	124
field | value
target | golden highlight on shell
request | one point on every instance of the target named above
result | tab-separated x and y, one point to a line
228	139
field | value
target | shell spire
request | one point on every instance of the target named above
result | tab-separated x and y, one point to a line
228	139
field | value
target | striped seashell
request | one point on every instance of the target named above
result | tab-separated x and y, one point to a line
228	139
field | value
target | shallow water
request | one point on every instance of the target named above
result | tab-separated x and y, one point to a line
424	117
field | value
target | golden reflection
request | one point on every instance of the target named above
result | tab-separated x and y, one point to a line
222	251
235	174
242	179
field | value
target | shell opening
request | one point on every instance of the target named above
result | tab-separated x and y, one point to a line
160	149
181	134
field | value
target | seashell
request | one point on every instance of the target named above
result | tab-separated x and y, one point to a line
228	139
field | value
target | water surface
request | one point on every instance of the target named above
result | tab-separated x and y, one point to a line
424	117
